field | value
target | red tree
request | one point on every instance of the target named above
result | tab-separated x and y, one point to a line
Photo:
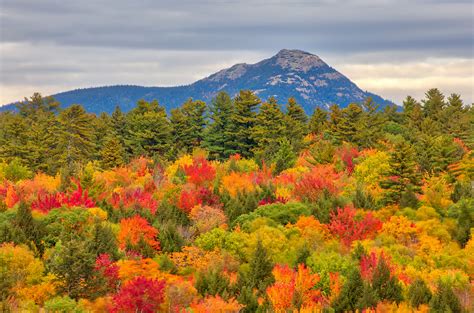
140	295
348	227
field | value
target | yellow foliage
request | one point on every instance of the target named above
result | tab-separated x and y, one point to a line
437	192
402	229
129	269
98	213
185	160
39	293
371	170
237	182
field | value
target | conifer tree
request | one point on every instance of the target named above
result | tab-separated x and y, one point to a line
75	142
217	136
285	156
419	293
112	153
385	285
268	130
318	122
148	130
261	266
243	119
433	104
369	125
188	123
445	300
403	174
296	124
352	291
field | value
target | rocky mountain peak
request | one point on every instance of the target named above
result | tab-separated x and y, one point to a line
297	60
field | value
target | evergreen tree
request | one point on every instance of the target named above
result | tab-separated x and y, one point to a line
112	153
385	285
188	125
243	120
352	291
285	156
445	300
217	136
103	241
433	104
296	124
403	174
75	142
31	229
148	130
268	130
465	222
261	266
419	293
369	125
318	122
102	129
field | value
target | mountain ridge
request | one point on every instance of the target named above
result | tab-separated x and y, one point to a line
289	73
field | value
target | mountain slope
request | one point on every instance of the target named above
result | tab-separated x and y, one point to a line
290	73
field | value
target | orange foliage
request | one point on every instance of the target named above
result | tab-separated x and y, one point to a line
216	304
235	183
136	228
206	218
12	197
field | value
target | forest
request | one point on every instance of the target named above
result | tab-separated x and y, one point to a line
239	205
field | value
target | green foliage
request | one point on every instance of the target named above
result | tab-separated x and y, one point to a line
419	293
213	282
284	157
259	274
62	305
445	300
279	212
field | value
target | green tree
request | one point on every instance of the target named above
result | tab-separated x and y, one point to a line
218	134
419	293
188	122
445	300
296	124
385	285
260	275
369	126
268	130
244	119
403	174
318	122
352	291
148	130
434	104
285	157
112	153
75	142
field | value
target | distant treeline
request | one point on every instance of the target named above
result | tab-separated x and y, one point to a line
43	137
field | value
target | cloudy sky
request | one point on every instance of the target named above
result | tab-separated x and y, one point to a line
390	47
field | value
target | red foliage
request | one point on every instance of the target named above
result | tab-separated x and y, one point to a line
200	172
46	202
78	198
270	200
347	155
134	199
140	295
345	225
110	270
313	184
189	198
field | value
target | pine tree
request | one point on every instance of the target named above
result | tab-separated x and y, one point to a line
385	285
352	291
419	293
285	156
148	130
261	266
296	124
31	229
112	153
75	142
318	122
434	104
445	300
103	241
369	125
244	119
188	124
102	129
217	136
403	174
268	130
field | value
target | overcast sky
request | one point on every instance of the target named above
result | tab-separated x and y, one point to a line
389	47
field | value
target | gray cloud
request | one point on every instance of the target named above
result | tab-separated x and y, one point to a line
52	45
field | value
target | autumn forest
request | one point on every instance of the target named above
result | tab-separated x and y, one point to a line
241	204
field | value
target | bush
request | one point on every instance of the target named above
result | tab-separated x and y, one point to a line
278	212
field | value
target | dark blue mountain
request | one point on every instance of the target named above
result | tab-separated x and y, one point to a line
290	73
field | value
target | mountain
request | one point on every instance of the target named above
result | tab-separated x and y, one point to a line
290	73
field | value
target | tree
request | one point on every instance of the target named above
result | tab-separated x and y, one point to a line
260	275
386	285
296	124
318	121
403	174
140	295
268	130
75	142
188	125
112	153
445	300
218	134
352	291
419	293
243	120
148	130
285	156
369	125
434	104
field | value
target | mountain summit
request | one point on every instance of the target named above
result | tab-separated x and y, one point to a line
289	73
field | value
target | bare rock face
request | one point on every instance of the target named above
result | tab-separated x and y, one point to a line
289	73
